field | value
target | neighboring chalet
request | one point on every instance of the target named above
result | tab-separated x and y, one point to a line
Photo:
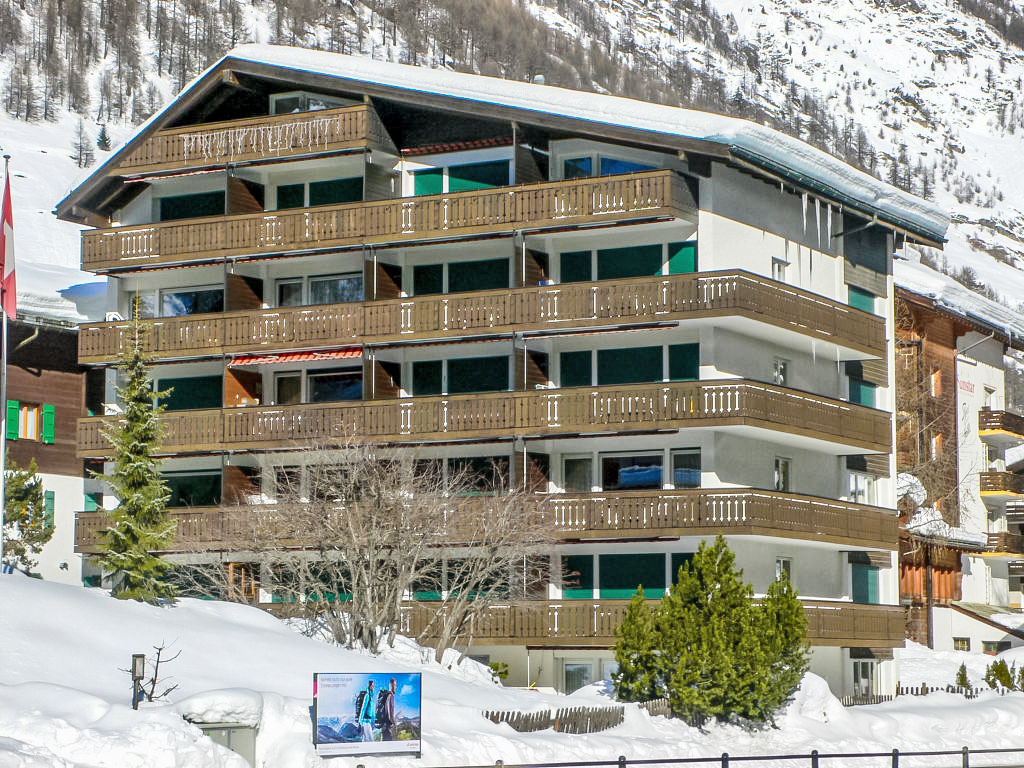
665	323
45	398
961	548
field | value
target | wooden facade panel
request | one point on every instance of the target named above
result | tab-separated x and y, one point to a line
65	390
244	196
866	279
243	293
379	182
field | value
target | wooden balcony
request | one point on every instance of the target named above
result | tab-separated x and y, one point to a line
543	308
592	623
1001	486
610	515
537	413
1002	428
549	205
256	139
1006	543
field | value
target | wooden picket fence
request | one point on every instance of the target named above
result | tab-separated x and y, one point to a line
661	707
564	720
916	690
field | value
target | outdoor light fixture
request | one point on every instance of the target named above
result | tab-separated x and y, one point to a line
138	672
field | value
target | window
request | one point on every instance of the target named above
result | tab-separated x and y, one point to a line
860	299
302	101
629	366
862	392
428	182
575	368
335	385
487	474
866	245
192	206
684	362
288	388
962	644
478	175
631	261
682	258
335	191
863	677
678	560
864	582
990	399
427	279
486	275
935	383
782	473
27	421
291	196
612	165
578	577
577	167
577	474
427	377
935	445
193	489
686	468
322	289
780	374
784	565
187	393
779	269
49	508
478	374
862	488
631	471
620	575
578	675
992	647
575	267
191	301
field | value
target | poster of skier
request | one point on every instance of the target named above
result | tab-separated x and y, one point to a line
366	713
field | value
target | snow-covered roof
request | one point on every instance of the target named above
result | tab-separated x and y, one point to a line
959	300
741	139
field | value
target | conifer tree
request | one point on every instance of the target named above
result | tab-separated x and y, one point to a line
962	681
637	678
139	524
103	139
26	527
781	628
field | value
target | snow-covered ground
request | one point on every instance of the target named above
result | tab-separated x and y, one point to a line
64	697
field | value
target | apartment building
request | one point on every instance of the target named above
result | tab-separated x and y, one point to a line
664	323
961	549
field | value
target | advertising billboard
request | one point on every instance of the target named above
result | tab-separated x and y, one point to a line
360	713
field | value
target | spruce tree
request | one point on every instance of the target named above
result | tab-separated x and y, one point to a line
26	527
103	139
962	681
781	628
139	524
638	676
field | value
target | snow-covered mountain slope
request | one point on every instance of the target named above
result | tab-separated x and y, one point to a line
65	693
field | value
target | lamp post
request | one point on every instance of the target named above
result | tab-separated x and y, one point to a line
138	672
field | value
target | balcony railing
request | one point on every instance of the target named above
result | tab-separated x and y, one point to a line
1012	543
1001	427
572	305
267	137
635	196
593	623
609	515
541	413
1004	484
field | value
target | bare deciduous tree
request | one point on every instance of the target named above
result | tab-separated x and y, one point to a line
356	534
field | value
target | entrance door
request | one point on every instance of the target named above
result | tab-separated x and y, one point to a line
863	677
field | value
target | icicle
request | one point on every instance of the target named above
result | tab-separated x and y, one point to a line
803	209
814	350
782	188
828	225
817	220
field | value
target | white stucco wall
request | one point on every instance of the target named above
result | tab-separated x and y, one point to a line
68	499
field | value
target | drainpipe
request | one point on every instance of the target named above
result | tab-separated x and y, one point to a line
928	598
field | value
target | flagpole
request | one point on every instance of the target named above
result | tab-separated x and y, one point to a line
3	394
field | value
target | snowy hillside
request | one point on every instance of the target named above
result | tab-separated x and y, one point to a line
64	696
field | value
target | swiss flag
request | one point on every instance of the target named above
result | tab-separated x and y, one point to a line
9	297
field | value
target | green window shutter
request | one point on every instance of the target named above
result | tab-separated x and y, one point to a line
862	392
578	573
622	574
682	258
865	584
291	196
92	502
192	392
426	377
684	362
488	275
632	261
336	191
49	502
575	267
429	182
575	367
427	279
860	299
12	419
478	176
49	423
629	366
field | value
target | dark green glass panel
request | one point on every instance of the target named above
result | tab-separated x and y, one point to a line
428	182
192	206
291	196
682	258
863	300
193	490
478	176
679	559
629	366
632	261
488	275
193	392
862	392
575	368
427	279
575	267
622	574
684	362
477	374
578	573
426	377
336	191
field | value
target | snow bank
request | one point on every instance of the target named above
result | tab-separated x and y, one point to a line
64	697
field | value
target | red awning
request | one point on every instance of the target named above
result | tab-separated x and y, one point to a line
346	353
